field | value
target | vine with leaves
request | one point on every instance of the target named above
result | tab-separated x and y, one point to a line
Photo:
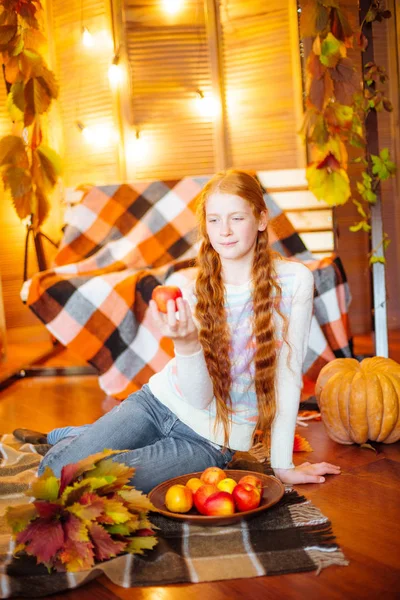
337	106
29	167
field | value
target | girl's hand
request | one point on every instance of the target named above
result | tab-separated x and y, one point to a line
307	473
182	330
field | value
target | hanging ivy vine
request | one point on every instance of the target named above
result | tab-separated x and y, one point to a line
337	105
29	167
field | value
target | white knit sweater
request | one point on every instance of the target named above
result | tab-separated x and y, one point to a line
184	384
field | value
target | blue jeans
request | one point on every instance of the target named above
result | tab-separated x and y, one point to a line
160	445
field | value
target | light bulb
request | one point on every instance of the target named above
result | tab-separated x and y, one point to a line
172	6
98	135
137	148
115	74
87	38
208	106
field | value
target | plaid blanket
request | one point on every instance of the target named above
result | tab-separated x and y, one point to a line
123	240
293	536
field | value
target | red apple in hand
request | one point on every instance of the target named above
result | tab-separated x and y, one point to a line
246	496
220	503
252	480
162	293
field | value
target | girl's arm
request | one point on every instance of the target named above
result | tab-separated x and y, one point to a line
288	388
194	381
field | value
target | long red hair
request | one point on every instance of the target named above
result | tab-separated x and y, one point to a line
210	312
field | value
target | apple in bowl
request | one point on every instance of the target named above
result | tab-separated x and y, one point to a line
246	497
162	293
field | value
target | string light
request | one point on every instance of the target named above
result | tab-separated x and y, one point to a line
115	72
208	106
97	135
87	38
137	148
172	6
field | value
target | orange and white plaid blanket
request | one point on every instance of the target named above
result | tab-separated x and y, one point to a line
123	240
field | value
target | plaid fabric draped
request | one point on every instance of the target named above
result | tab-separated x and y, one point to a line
292	536
123	240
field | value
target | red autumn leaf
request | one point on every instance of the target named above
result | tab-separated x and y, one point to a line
43	539
104	546
330	162
47	510
315	66
321	90
144	532
301	444
340	25
75	529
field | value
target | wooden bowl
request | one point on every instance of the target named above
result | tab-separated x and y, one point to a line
273	490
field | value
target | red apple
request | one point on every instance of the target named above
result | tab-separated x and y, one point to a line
162	293
212	475
201	495
252	480
246	496
220	503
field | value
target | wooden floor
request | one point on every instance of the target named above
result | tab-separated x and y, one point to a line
363	502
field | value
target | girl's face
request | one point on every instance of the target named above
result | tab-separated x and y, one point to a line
232	227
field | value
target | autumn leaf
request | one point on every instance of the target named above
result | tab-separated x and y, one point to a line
137	545
34	39
30	64
320	91
104	546
115	509
18	97
46	167
15	113
313	18
377	259
74	470
331	51
42	538
19	182
136	500
75	529
12	151
47	510
42	207
73	493
301	444
11	71
7	32
46	487
333	187
89	507
77	556
18	517
37	99
120	472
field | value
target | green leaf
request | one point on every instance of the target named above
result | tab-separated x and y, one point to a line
19	517
383	168
384	154
46	487
331	51
360	209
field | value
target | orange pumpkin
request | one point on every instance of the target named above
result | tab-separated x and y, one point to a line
360	401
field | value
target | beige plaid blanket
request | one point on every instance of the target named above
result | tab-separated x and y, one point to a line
292	536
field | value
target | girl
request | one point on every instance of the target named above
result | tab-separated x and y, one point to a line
240	337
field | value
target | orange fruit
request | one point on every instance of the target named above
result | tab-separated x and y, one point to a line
179	498
194	483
